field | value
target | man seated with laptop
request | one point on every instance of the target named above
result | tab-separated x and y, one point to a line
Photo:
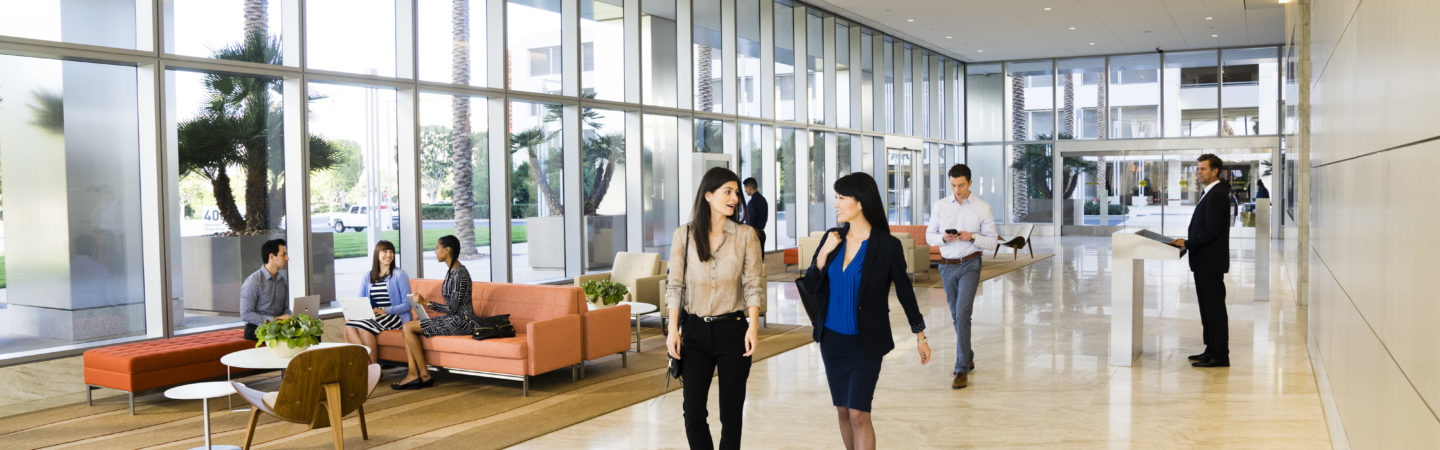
265	294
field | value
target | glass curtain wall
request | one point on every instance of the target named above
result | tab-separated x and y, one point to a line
1134	92
815	66
659	179
353	36
784	61
1251	92
441	39
537	188
818	188
353	199
1030	94
843	80
602	174
535	63
984	102
784	204
200	27
454	181
708	55
1081	88
709	137
659	62
888	60
602	49
747	57
1192	94
70	222
867	81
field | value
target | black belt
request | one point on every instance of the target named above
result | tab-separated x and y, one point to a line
962	260
737	315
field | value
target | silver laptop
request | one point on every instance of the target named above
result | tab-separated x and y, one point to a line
308	305
415	306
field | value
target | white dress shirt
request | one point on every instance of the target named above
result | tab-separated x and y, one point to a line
973	215
1207	190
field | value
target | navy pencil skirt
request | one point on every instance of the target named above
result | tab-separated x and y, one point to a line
852	373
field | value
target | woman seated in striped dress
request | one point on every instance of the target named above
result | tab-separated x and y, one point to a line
388	288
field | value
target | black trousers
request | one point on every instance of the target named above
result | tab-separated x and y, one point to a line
1210	290
250	332
706	347
761	234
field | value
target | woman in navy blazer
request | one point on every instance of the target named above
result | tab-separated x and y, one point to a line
388	288
852	304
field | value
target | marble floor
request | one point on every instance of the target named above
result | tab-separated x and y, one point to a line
1041	338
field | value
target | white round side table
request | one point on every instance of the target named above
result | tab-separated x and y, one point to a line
264	358
204	392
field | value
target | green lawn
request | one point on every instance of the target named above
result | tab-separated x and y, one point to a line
352	244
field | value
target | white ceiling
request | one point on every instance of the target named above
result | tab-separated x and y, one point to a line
1022	29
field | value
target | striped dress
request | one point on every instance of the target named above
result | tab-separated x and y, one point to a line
380	298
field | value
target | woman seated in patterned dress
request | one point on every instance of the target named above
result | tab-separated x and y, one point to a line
388	287
457	321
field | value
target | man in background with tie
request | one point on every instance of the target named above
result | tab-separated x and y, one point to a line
1209	248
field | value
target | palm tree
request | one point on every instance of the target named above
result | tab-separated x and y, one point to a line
601	156
1019	131
1035	162
256	11
530	140
1068	125
460	144
240	126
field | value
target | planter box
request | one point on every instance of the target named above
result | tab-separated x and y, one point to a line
605	235
214	267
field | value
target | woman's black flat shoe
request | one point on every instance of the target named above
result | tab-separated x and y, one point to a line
428	383
413	384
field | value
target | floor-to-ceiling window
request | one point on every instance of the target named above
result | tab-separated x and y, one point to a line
602	160
454	181
537	187
707	55
660	182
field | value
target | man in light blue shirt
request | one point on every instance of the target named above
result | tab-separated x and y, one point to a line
963	226
265	294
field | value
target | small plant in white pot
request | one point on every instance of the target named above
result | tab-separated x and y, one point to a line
288	337
604	292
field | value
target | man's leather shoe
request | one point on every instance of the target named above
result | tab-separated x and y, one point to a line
1212	362
1200	357
960	381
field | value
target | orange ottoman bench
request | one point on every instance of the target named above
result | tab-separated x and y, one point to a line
165	362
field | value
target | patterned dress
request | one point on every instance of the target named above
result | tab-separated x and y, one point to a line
459	316
379	298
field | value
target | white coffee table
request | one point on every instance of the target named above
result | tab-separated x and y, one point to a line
264	358
638	309
204	392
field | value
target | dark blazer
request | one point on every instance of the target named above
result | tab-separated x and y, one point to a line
884	264
756	212
1209	235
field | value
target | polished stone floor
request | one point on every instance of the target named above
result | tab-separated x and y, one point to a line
1041	340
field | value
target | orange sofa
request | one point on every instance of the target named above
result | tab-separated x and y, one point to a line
159	363
606	332
917	232
548	332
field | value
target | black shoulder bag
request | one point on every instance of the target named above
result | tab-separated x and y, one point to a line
807	297
674	363
492	327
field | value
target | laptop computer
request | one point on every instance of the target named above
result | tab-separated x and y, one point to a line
357	308
415	306
308	305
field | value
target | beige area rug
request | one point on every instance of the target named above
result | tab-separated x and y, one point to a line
458	412
991	268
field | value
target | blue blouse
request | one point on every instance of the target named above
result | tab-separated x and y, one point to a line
844	285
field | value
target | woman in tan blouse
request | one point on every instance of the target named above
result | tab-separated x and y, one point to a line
714	287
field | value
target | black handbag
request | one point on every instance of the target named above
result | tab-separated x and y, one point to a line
673	363
807	297
492	327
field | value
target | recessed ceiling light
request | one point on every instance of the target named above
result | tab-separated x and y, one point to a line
1092	43
949	37
910	20
1072	28
1215	35
979	51
1047	8
1209	18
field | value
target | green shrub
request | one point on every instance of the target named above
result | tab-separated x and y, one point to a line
1093	209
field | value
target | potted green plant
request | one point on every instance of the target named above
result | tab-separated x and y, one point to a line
604	292
289	337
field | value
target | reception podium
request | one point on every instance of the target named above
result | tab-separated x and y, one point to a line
1128	251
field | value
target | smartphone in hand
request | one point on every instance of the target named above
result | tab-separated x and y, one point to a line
951	231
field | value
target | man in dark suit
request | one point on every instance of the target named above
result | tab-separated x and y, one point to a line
757	210
1209	247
